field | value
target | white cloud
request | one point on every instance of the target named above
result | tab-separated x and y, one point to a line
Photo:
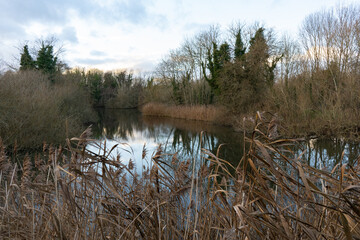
69	34
134	33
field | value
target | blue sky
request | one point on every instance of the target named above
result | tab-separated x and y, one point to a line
135	34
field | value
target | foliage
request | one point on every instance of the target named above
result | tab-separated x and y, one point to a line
94	84
310	81
182	70
46	61
26	61
216	61
112	89
245	79
316	91
127	96
239	49
157	92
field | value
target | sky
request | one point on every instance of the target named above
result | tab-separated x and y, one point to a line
135	34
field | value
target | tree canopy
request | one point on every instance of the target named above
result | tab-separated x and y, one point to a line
26	61
45	60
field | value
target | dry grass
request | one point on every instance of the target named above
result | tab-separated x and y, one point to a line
210	113
270	194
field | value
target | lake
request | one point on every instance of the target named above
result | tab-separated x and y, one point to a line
136	134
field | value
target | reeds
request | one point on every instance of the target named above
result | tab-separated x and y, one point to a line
270	194
190	112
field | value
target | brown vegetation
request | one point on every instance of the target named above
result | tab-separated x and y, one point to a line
33	110
216	115
270	194
318	88
314	108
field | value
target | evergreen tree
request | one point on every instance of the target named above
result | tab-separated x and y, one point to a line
243	81
258	46
224	54
46	61
216	62
240	49
262	67
256	62
26	61
95	86
213	66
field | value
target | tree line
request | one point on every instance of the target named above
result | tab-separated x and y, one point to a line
247	68
311	78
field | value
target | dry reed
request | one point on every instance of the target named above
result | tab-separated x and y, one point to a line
270	194
190	112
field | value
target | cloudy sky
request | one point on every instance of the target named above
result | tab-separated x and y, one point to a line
135	34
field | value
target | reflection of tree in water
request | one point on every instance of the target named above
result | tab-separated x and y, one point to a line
328	152
188	137
115	123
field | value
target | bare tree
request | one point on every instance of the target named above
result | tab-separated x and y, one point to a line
331	37
289	63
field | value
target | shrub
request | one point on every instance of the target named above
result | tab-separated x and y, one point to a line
33	110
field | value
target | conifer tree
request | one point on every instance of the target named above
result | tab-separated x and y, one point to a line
260	65
239	50
216	62
213	66
46	61
224	54
26	61
257	60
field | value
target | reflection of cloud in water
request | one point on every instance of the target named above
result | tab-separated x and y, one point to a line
186	138
131	149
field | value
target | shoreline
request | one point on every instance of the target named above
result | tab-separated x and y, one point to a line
212	114
218	115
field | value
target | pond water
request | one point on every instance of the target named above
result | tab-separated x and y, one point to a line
133	134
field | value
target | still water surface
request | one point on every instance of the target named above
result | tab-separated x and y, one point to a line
133	133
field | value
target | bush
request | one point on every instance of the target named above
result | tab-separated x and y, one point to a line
33	110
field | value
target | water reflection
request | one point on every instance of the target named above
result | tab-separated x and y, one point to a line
327	153
186	138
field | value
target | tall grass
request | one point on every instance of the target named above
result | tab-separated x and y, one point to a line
196	112
270	194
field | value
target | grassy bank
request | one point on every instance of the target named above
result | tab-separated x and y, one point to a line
213	114
270	194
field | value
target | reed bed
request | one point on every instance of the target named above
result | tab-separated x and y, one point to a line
73	193
207	113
